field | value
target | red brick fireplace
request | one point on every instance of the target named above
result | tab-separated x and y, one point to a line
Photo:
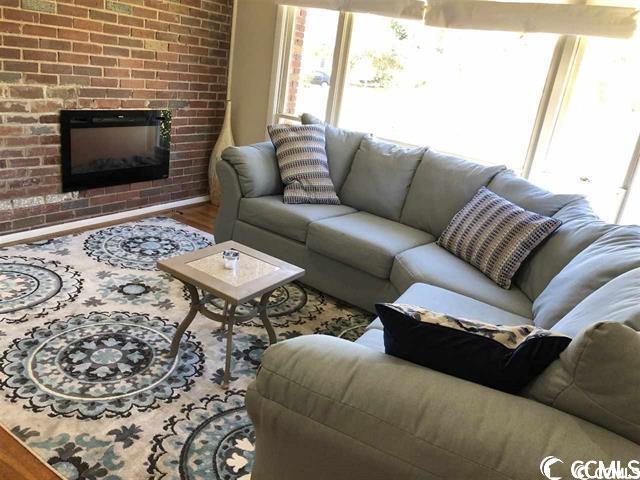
105	54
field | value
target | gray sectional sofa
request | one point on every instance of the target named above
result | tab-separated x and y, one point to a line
326	408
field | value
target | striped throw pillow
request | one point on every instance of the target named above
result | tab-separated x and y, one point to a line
304	168
495	236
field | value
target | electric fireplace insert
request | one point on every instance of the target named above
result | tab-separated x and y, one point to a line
100	148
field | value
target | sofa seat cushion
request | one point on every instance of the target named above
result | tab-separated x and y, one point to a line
291	221
372	338
440	300
434	265
364	241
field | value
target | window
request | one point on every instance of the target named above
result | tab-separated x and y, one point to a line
472	93
598	127
563	111
312	41
631	214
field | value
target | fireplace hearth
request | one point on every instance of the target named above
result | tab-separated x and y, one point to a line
101	148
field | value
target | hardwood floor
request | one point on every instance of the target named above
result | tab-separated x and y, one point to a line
18	463
198	216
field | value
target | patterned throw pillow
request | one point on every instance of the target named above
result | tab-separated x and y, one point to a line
495	236
302	159
503	357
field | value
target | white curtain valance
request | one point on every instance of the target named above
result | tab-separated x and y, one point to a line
568	19
409	9
514	16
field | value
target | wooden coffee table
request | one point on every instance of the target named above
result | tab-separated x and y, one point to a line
256	275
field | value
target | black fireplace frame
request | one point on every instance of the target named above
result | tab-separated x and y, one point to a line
71	119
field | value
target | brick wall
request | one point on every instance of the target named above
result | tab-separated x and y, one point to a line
295	64
105	54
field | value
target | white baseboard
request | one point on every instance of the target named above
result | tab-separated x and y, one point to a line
63	227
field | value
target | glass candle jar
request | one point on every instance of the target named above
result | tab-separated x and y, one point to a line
230	259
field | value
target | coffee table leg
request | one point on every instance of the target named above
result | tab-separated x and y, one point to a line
195	306
227	364
264	316
225	310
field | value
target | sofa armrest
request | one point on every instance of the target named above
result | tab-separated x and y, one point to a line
230	195
257	169
315	392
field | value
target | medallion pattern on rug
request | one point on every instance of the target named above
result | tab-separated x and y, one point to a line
214	439
141	246
283	304
99	364
86	381
33	287
55	246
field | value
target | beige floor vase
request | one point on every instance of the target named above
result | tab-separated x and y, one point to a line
225	139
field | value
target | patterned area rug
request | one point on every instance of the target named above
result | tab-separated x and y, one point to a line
85	324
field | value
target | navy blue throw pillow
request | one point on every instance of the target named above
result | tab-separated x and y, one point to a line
502	357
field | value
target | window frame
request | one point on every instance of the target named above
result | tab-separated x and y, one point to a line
561	74
631	182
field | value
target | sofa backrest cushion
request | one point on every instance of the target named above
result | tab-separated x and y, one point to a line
341	146
580	228
527	195
257	169
616	301
380	177
597	378
613	254
442	185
